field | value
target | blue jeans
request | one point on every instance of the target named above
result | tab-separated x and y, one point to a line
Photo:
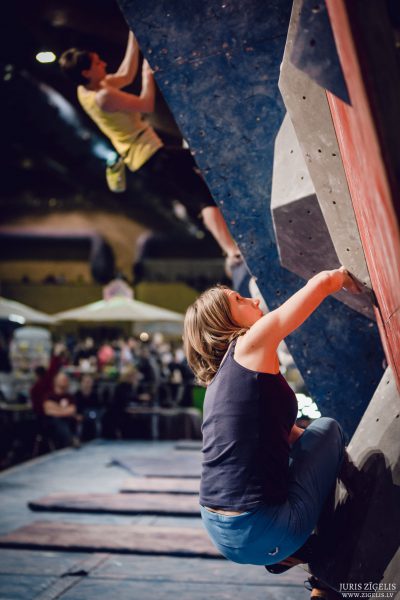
268	534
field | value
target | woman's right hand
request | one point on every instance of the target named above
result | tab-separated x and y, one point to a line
342	279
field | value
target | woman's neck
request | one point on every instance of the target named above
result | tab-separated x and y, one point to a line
93	86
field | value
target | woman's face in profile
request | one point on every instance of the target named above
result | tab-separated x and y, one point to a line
245	311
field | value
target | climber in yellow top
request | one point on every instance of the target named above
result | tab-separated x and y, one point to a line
119	116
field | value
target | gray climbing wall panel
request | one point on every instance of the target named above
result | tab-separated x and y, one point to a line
217	65
309	112
314	49
304	244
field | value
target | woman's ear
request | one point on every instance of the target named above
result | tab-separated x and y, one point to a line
86	73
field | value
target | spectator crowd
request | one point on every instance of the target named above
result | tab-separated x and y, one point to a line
85	389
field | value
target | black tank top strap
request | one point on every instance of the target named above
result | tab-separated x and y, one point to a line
229	352
232	345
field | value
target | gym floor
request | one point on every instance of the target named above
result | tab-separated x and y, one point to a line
47	574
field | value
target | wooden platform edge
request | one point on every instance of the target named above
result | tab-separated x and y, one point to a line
35	507
108	550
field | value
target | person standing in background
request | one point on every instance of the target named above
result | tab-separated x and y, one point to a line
60	413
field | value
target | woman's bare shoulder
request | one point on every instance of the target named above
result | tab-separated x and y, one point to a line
256	357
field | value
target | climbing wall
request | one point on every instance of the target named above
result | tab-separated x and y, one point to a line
217	65
348	146
308	109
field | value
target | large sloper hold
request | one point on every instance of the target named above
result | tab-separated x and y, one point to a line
304	244
217	65
309	112
363	536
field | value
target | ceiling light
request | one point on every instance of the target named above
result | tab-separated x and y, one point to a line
46	57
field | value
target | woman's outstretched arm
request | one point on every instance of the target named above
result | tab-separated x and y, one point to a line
273	327
127	70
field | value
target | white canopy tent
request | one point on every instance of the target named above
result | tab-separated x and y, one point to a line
119	308
20	313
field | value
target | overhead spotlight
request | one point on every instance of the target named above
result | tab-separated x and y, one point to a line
46	57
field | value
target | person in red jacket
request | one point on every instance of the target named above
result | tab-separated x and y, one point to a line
60	413
44	379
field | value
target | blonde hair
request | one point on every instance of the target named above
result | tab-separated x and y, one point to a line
208	330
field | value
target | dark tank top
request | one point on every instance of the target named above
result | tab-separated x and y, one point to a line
247	420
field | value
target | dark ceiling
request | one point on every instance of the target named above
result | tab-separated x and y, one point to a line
48	159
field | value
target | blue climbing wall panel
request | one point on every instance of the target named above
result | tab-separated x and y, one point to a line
217	65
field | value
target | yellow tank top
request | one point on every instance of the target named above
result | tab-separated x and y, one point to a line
134	139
